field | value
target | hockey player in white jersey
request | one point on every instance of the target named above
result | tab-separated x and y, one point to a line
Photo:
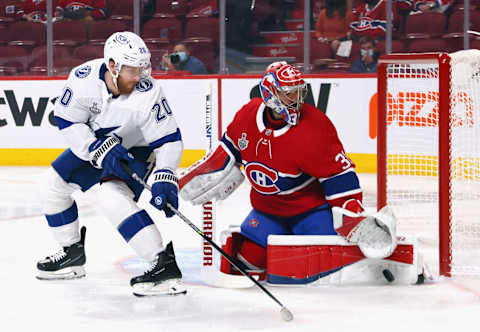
112	110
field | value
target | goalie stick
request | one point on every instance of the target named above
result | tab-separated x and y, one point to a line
210	274
284	312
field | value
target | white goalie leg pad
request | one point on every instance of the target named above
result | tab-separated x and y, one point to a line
118	204
375	235
214	176
312	260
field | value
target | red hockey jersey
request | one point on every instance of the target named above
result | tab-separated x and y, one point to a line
98	7
372	22
36	9
293	169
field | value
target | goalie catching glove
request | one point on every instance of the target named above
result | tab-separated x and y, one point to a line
374	233
214	176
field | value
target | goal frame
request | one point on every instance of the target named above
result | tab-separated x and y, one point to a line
444	156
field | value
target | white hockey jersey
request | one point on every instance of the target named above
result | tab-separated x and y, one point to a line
87	111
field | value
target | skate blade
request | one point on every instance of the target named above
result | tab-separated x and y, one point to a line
73	272
168	288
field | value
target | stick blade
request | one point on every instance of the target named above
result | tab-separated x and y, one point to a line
213	277
286	314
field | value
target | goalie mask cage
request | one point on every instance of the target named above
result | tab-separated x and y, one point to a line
428	152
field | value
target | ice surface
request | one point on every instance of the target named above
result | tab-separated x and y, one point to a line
102	301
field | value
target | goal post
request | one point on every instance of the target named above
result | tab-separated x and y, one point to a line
428	152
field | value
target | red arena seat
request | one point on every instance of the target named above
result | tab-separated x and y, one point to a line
88	52
39	54
202	27
163	27
428	45
14	56
103	29
71	33
32	33
431	23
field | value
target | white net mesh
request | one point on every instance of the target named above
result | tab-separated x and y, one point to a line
412	154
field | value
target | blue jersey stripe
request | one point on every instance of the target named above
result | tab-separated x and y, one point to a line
341	183
62	123
176	136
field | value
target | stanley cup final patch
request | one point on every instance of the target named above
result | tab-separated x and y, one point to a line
243	142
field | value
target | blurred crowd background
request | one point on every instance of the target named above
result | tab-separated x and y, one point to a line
233	36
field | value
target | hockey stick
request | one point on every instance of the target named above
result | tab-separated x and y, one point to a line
209	273
284	312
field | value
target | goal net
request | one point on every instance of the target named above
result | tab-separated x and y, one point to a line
428	125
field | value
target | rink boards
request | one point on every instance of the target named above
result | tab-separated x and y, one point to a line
28	135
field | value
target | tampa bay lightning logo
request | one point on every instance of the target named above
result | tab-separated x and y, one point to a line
144	85
83	72
121	39
262	178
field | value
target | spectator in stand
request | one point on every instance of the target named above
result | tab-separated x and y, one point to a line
87	10
370	19
367	62
431	5
333	23
33	10
182	60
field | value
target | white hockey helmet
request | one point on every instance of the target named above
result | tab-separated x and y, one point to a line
127	48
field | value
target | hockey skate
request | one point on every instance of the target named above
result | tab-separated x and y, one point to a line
66	263
162	278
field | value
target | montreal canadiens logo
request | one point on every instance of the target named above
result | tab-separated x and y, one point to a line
83	71
262	178
288	74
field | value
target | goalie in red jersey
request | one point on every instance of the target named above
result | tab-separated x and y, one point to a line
298	171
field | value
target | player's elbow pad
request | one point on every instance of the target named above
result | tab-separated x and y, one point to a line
215	176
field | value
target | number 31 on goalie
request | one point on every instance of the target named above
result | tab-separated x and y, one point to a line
161	110
343	159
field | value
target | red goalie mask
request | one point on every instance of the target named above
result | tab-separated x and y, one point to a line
283	90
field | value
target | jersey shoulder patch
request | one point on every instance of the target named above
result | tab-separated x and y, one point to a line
83	71
144	85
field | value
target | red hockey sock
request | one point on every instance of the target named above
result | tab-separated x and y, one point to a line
253	253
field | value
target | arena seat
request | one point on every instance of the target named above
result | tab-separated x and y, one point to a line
431	23
38	57
88	52
101	30
429	45
202	27
14	56
70	33
32	33
163	27
177	7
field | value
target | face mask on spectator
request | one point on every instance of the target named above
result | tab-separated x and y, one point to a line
182	56
365	52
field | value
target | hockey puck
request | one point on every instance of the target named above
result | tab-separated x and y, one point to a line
388	275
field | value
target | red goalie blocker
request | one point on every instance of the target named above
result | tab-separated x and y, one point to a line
304	259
